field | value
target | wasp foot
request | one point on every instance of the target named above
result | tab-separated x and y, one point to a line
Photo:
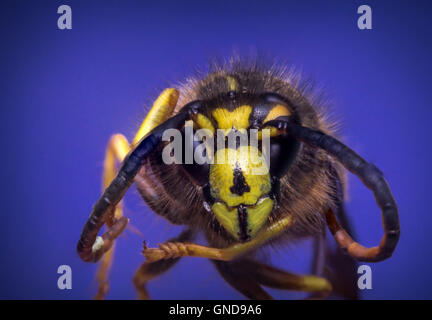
167	250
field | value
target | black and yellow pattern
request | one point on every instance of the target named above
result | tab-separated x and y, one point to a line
296	192
242	204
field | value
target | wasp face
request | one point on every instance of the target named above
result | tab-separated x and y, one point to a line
242	178
248	186
242	198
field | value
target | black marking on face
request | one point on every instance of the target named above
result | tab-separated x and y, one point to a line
239	182
275	190
243	224
207	194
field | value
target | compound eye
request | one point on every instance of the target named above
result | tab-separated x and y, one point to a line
283	151
195	161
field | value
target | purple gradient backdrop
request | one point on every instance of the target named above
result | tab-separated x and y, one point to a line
63	93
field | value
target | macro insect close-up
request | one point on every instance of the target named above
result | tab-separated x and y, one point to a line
237	208
194	153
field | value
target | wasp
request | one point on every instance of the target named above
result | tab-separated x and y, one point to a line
239	211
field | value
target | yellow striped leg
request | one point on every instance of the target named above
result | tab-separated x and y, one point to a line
171	250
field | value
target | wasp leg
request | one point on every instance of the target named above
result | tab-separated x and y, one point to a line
234	274
150	270
275	278
179	249
117	149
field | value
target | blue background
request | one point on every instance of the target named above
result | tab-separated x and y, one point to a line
64	92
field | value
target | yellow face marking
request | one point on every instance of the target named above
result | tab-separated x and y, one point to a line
204	123
232	83
249	160
277	111
273	132
234	181
227	217
237	119
257	215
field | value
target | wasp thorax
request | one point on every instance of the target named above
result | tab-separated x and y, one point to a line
240	184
